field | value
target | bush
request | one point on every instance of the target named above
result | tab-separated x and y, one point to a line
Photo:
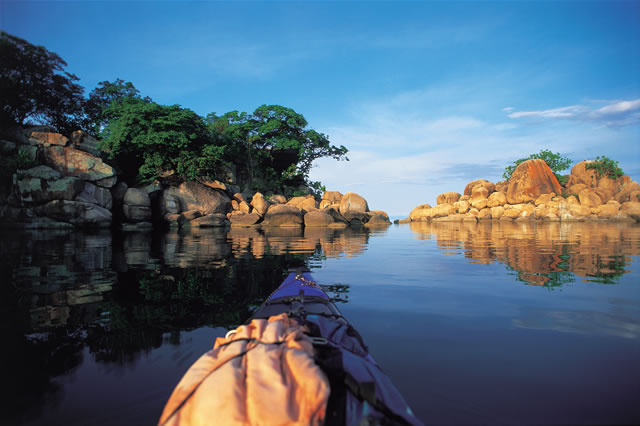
555	161
605	166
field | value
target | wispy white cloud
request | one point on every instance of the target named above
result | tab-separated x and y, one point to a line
405	151
616	113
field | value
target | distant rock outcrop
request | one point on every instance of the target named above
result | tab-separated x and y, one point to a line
531	179
534	193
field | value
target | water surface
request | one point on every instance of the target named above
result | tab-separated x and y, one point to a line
474	323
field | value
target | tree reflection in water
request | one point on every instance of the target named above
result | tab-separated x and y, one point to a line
123	295
547	254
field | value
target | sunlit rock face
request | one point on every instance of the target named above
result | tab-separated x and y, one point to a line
448	198
352	202
196	196
283	215
531	179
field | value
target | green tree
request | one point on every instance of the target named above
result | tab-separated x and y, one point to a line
102	96
555	161
605	166
148	140
275	142
35	88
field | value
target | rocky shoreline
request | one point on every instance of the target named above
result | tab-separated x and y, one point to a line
70	186
533	193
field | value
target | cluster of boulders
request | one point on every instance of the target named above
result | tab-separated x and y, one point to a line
209	204
72	187
534	193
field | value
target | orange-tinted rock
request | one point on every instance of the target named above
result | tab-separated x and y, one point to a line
489	185
608	210
497	212
461	206
589	198
377	220
448	198
531	179
625	192
283	215
497	199
484	214
243	219
73	162
630	207
332	196
544	199
591	178
259	203
215	184
324	204
421	212
48	139
244	207
352	202
196	196
278	199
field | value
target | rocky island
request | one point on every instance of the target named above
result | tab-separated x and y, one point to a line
533	192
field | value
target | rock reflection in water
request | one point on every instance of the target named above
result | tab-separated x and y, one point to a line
549	254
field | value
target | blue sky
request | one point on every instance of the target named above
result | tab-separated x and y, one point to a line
426	95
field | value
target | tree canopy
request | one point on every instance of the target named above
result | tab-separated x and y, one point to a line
34	86
149	140
555	161
101	97
275	142
272	147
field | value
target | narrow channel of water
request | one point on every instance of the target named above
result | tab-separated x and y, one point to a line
475	323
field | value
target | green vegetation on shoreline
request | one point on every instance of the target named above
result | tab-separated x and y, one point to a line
269	149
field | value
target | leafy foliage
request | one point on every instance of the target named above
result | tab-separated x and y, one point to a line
148	140
605	166
274	143
101	97
555	161
34	86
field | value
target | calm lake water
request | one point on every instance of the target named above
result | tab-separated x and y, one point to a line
474	323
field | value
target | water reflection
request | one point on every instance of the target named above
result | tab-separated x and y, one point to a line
550	254
122	295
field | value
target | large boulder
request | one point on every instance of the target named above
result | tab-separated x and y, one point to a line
73	162
304	204
625	192
420	213
448	198
95	194
136	205
42	184
318	218
196	196
491	187
497	199
239	218
352	202
76	213
531	179
48	138
589	198
259	203
377	219
332	196
283	215
215	220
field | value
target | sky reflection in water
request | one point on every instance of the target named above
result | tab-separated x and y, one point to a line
474	323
